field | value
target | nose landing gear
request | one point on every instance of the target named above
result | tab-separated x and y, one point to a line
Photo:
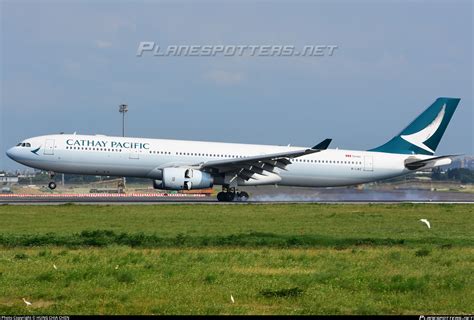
230	194
52	185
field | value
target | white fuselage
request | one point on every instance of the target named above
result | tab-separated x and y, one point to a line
144	158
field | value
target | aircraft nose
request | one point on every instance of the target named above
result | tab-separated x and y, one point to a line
11	153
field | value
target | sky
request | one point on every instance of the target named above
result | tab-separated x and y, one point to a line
67	66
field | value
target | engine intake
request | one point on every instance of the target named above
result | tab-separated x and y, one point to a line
183	179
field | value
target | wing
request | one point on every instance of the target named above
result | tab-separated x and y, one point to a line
249	167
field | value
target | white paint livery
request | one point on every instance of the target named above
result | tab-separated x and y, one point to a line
180	164
326	168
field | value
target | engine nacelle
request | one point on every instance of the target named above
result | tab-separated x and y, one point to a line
183	179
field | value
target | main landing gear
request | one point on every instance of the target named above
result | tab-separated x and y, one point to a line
52	184
230	194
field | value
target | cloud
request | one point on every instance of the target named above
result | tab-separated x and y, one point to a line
224	78
71	66
103	44
117	23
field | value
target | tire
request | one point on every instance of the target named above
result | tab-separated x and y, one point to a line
244	196
230	196
221	196
52	185
226	196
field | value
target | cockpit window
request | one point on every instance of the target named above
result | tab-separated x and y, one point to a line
24	144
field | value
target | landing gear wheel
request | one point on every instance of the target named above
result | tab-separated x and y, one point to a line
230	196
243	196
226	196
52	185
221	196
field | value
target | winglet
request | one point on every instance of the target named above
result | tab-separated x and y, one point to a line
323	145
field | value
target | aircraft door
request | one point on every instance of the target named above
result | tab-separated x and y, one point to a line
49	147
368	163
134	154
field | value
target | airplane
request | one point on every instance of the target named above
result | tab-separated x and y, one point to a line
185	165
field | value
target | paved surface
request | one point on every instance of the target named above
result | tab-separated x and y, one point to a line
258	195
137	202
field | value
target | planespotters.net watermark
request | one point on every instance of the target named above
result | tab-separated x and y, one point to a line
153	49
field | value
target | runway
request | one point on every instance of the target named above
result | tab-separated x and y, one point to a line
101	198
258	196
215	202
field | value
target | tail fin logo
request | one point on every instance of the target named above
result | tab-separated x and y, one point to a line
419	138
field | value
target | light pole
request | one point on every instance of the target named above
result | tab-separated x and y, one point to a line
123	108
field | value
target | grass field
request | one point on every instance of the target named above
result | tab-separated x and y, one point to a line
273	259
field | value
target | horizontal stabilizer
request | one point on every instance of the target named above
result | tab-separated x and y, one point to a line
413	164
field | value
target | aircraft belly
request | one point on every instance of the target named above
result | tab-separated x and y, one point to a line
332	177
95	165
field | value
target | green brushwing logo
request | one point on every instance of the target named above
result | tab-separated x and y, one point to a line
419	138
36	151
423	134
